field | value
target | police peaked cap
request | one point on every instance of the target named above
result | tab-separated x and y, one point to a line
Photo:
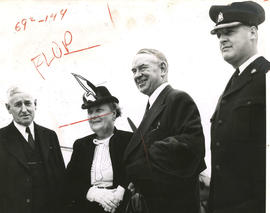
247	12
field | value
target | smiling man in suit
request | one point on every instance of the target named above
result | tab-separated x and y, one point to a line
31	164
238	132
166	153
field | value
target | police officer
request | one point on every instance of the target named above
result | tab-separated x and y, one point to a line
238	130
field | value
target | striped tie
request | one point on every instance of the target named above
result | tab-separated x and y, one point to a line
30	138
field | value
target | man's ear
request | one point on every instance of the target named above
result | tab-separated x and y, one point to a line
35	102
254	32
8	107
163	68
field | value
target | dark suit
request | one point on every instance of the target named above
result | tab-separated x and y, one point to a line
238	144
79	169
165	154
20	188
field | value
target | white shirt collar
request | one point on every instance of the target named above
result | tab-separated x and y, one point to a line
248	62
22	129
102	141
156	93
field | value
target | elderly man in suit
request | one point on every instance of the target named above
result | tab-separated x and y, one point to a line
238	125
166	153
31	163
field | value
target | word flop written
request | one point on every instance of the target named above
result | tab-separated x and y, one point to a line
56	52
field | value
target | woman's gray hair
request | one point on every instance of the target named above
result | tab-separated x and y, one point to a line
115	106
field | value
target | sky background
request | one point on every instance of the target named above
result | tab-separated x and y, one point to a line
179	29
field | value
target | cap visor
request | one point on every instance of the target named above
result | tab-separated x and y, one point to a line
225	25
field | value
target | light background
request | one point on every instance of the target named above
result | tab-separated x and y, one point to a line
180	29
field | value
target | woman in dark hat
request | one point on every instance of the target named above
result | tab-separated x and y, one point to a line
95	173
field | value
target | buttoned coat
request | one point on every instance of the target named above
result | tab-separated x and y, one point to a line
79	167
15	179
168	149
238	141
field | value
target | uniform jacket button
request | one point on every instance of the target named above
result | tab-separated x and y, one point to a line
217	143
220	121
217	167
28	200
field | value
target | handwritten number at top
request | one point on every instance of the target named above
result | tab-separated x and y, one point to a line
21	25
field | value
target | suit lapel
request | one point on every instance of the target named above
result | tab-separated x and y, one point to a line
44	144
242	80
112	145
148	119
14	146
89	151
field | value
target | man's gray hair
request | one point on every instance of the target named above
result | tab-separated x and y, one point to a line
14	90
154	52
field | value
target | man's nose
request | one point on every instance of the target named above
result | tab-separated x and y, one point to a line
23	108
137	74
223	38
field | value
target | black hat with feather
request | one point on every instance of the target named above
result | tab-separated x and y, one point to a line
93	95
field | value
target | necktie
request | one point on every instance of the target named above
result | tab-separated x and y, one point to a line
30	138
234	77
146	109
147	106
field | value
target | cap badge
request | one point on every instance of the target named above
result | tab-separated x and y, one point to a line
220	17
253	71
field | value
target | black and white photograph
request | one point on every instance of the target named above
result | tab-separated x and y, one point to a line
134	106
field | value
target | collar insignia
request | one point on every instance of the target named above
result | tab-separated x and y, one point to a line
253	71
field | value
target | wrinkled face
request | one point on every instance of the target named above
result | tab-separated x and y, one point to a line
101	118
235	44
22	107
147	73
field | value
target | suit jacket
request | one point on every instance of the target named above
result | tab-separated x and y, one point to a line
15	179
79	167
238	144
168	147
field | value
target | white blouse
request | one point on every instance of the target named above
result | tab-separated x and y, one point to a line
101	170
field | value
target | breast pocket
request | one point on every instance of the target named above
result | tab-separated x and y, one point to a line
248	118
156	133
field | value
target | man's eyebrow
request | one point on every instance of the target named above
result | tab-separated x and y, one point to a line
139	67
142	65
18	102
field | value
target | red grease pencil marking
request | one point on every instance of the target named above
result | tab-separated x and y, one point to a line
56	52
145	150
85	120
82	49
37	65
110	14
53	17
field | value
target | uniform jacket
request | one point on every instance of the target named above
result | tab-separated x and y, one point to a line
15	180
79	167
238	140
168	146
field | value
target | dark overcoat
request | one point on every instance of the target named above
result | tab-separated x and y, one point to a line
238	141
15	179
79	168
168	150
